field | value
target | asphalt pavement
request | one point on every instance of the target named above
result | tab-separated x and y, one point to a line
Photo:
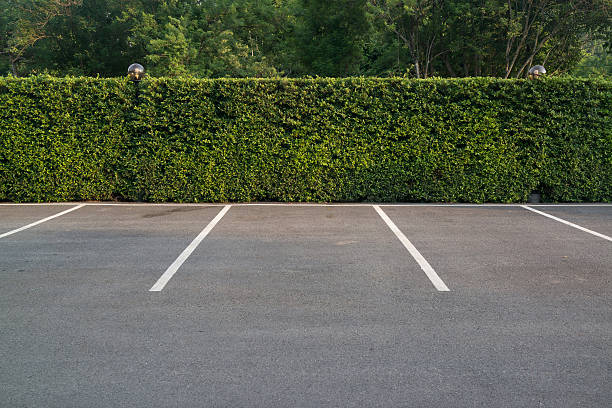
305	305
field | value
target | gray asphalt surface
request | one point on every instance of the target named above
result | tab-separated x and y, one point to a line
305	306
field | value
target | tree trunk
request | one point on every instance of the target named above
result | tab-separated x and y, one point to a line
14	68
449	68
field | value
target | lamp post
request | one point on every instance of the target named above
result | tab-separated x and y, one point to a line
136	73
536	71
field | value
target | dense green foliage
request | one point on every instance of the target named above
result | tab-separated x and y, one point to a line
297	38
596	63
61	139
355	139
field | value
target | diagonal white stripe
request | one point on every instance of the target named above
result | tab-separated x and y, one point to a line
163	280
25	227
425	266
597	234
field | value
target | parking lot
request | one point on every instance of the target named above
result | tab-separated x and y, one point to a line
112	304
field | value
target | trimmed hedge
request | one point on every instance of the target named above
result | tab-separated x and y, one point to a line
356	139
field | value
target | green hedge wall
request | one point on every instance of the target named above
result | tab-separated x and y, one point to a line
356	139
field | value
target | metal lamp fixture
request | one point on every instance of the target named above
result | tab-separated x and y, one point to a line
536	71
136	72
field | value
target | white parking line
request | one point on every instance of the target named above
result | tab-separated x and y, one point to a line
6	234
425	266
163	280
597	234
272	204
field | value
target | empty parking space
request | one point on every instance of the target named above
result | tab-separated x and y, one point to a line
305	306
507	249
70	295
114	245
286	253
530	307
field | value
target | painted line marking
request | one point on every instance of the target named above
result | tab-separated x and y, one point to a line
425	266
593	205
597	234
25	227
163	280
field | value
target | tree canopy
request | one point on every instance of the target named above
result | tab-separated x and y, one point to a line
264	38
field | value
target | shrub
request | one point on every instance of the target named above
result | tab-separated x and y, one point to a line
354	139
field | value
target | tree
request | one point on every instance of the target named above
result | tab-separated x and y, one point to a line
415	23
419	38
534	24
596	61
329	37
25	24
490	37
91	40
207	39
